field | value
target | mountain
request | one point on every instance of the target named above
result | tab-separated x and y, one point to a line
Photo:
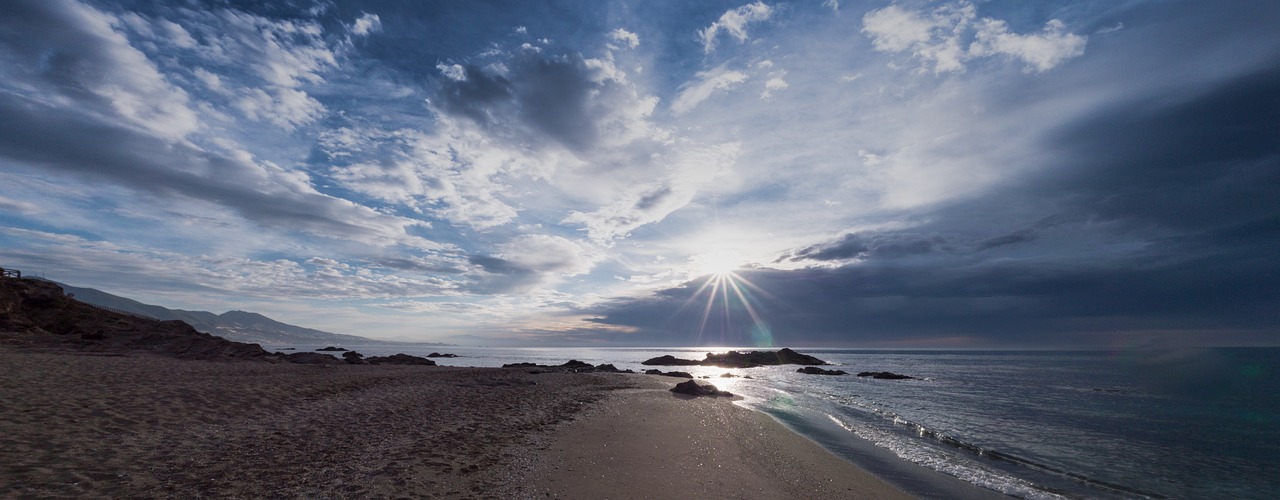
37	313
239	326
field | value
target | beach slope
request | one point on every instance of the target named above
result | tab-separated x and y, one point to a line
651	443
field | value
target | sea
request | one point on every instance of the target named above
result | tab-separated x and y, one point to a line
1200	423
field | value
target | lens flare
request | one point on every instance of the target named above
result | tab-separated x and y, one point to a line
729	301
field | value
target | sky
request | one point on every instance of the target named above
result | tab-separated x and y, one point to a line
886	174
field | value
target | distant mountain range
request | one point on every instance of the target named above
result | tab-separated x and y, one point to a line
239	326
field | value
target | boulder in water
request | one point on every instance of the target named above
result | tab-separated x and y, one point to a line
693	388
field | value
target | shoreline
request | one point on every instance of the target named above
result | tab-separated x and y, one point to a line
650	443
136	425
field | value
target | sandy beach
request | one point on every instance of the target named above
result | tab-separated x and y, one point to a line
146	426
650	443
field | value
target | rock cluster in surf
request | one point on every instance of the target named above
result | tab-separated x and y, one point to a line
737	359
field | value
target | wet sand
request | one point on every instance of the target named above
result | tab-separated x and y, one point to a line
650	443
75	425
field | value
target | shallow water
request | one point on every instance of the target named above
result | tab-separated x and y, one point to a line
1125	424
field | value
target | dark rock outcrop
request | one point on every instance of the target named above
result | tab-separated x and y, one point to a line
354	358
36	313
885	375
736	359
331	349
572	365
813	370
669	360
312	358
399	359
693	388
668	374
576	365
438	355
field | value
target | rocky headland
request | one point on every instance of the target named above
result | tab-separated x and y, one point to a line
738	359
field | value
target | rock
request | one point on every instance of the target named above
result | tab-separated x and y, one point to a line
736	359
438	355
576	365
669	374
885	375
354	358
38	313
400	359
331	349
572	365
727	375
813	370
693	388
669	360
312	358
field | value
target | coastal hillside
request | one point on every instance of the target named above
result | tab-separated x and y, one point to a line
37	313
240	326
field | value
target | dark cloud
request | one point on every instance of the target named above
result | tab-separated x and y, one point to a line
502	276
560	98
64	141
1160	219
865	245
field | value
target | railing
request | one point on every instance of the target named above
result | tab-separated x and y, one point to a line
10	273
118	311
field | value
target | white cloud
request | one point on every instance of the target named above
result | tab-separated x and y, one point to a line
706	83
455	174
734	23
453	72
95	66
949	36
285	56
549	254
775	82
691	170
367	23
177	35
286	107
211	81
833	4
632	40
1040	51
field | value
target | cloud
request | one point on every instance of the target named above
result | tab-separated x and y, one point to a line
455	174
693	169
580	103
169	276
1114	242
365	24
951	35
734	23
63	51
1042	51
529	261
775	82
704	85
626	37
64	141
283	56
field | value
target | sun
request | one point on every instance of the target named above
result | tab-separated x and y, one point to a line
715	264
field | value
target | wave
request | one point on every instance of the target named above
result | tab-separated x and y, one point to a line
973	472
